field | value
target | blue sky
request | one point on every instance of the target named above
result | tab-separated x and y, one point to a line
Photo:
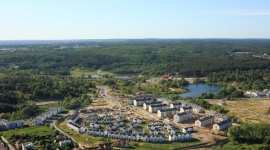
109	19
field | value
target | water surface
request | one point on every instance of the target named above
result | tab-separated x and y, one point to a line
196	90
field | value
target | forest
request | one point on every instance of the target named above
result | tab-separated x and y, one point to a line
43	70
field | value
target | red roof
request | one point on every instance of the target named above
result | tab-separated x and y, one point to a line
165	76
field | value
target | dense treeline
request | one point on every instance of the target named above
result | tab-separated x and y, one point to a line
19	111
228	92
185	57
16	89
41	87
254	133
255	79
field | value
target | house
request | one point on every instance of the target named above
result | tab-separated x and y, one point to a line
188	129
197	109
176	105
222	125
221	103
130	101
146	104
137	120
180	137
20	123
157	123
165	76
73	118
164	100
28	146
104	146
182	117
141	100
146	138
3	124
11	124
168	112
64	142
186	109
120	143
55	110
138	131
74	126
153	108
204	121
18	143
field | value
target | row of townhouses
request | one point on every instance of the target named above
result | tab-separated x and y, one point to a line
52	111
6	125
179	137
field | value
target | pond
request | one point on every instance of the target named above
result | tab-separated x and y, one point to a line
124	76
196	90
117	76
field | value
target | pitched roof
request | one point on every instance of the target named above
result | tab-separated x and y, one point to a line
224	122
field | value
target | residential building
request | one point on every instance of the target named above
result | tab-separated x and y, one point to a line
74	126
130	101
164	100
222	125
188	129
176	105
182	117
73	118
186	109
204	121
64	142
28	146
141	100
146	104
153	108
197	109
168	112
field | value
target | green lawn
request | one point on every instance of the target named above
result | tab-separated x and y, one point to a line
78	137
162	146
35	130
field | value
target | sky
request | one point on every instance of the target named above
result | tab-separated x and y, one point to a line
133	19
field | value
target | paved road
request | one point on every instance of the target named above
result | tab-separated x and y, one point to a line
6	142
56	128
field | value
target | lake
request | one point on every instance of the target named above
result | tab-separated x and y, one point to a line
117	76
196	90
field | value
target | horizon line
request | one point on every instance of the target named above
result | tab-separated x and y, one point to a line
121	39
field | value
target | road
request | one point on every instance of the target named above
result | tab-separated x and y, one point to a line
6	142
56	128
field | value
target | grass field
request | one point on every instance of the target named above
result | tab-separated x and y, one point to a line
162	146
78	137
245	116
33	130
